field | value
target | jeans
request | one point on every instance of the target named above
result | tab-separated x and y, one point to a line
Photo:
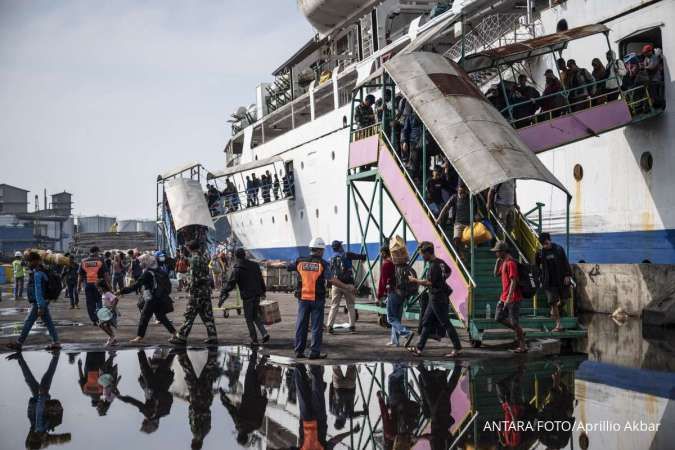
93	296
394	314
18	287
118	281
30	320
312	401
306	310
73	294
253	320
437	312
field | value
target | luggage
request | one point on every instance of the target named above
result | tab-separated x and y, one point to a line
481	234
528	280
398	250
269	312
53	287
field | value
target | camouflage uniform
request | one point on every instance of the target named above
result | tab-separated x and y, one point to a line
364	115
200	391
200	298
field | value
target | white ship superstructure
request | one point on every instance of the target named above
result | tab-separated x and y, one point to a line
622	208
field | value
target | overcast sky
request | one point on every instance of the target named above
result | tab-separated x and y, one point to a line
98	97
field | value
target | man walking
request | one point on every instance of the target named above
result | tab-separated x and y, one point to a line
502	199
556	275
37	285
18	269
508	308
313	275
70	280
247	276
342	268
92	269
438	310
200	299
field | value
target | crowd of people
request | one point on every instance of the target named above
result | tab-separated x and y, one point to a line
576	88
267	188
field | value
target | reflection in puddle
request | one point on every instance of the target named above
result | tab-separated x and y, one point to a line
13	329
235	397
12	311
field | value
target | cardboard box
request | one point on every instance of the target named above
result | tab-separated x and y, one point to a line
271	376
269	312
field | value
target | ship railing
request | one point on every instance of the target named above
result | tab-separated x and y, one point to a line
247	199
366	132
492	31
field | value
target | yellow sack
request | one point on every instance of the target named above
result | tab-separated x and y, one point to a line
481	234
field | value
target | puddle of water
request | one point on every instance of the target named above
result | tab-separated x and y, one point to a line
12	311
13	329
234	398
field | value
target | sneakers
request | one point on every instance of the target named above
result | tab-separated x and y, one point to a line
392	344
319	356
111	342
266	339
136	340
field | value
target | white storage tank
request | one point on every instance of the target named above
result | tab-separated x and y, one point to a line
147	226
127	226
95	224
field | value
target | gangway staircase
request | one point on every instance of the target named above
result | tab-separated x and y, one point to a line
477	141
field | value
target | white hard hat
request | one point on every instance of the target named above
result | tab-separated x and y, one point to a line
18	254
317	242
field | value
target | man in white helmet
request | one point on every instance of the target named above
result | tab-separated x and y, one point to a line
313	276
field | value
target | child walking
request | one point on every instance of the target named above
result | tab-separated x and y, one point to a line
107	314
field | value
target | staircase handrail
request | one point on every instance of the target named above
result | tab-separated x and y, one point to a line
458	260
495	221
485	34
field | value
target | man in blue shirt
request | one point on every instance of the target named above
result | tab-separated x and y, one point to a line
39	307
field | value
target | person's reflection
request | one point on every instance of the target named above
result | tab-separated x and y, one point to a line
200	394
436	389
558	408
232	371
155	379
399	414
312	402
95	366
44	413
249	415
517	411
342	394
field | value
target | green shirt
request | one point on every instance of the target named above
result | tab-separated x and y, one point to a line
17	268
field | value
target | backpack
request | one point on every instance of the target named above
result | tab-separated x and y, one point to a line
181	266
52	287
401	284
528	280
338	269
161	286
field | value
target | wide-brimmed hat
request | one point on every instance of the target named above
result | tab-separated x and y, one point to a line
500	246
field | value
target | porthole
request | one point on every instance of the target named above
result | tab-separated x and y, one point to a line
332	155
317	213
272	219
302	214
578	172
646	261
302	164
335	209
261	221
646	161
344	121
286	217
561	26
256	157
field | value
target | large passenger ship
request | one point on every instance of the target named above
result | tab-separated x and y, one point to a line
617	170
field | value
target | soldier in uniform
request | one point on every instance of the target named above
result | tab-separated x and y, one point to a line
200	392
200	299
363	114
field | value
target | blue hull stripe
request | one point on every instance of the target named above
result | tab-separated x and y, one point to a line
657	247
660	384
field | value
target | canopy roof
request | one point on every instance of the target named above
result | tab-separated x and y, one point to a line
477	140
178	170
243	167
519	51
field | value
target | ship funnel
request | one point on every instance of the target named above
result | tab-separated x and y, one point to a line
328	15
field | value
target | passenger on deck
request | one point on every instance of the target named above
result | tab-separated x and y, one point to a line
562	69
256	189
523	93
551	102
250	191
275	187
286	190
502	199
363	114
614	71
599	74
435	186
266	186
412	144
653	65
579	83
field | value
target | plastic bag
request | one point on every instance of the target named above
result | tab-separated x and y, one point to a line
481	234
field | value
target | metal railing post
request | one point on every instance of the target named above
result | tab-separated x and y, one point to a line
425	166
473	251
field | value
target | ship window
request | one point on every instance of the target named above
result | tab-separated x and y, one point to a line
317	213
636	40
302	164
332	155
286	217
257	137
347	84
646	161
302	214
561	26
301	111
578	172
272	219
335	209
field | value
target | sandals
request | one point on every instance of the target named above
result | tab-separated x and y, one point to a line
415	351
557	330
453	354
520	350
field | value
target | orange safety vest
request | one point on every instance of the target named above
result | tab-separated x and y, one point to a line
311	280
91	267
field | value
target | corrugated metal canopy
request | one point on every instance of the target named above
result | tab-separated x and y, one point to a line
243	167
519	51
178	170
477	140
